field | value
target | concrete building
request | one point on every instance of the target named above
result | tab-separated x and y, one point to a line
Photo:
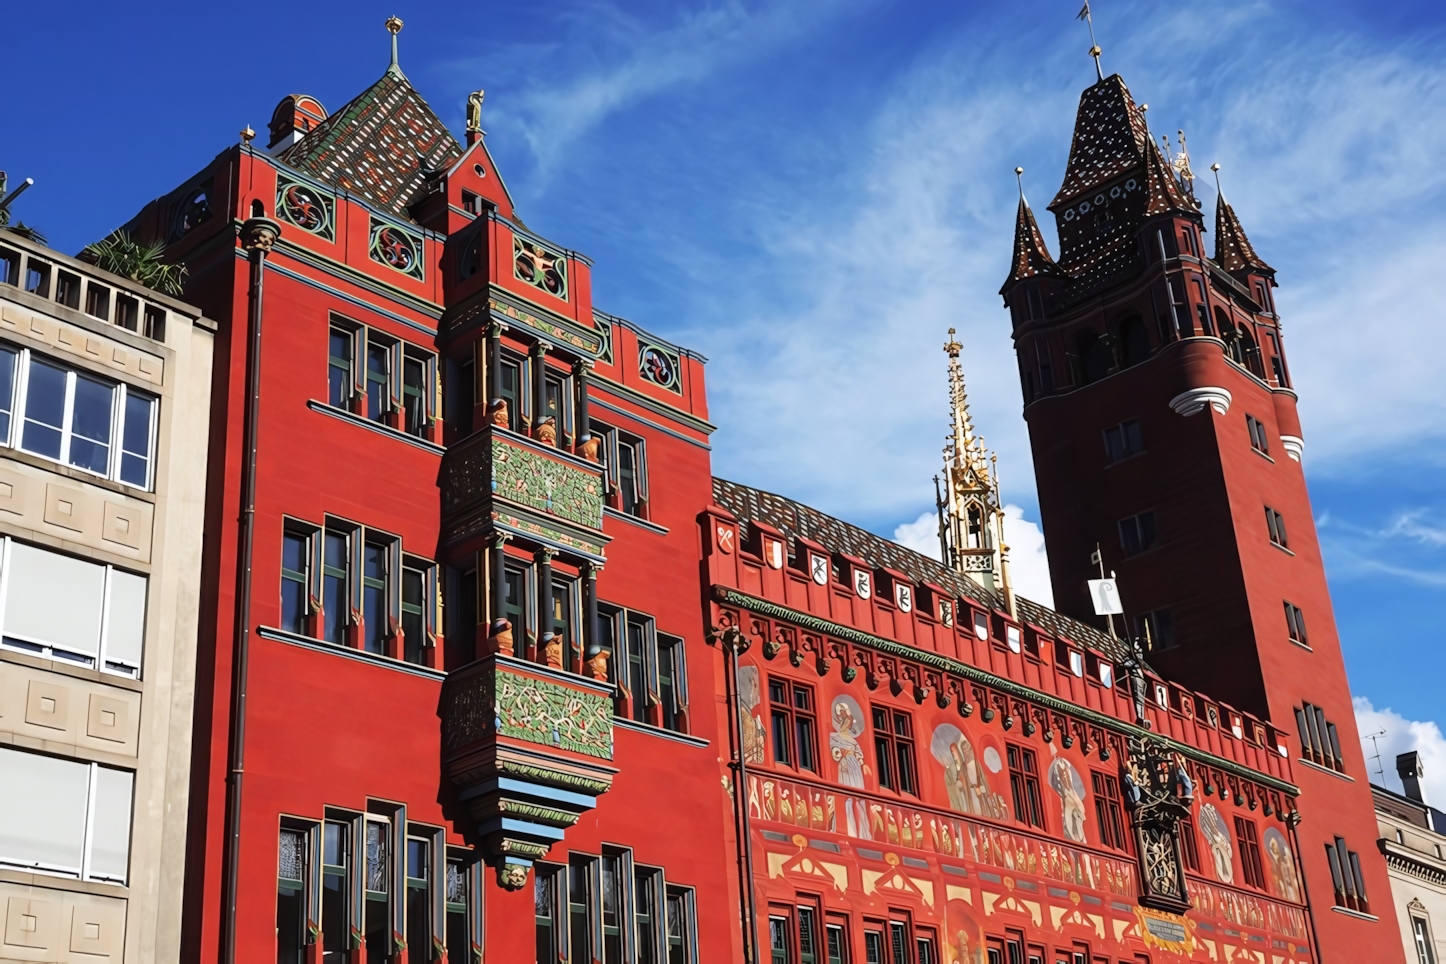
104	400
1413	840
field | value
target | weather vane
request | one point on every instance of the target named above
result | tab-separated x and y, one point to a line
1088	18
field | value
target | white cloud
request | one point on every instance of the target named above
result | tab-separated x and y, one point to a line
1028	564
1401	736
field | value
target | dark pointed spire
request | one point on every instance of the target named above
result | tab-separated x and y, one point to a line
1233	250
1109	139
1031	256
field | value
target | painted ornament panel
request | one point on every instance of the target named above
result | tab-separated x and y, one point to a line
1070	788
659	366
309	208
1217	838
397	249
538	265
536	481
965	778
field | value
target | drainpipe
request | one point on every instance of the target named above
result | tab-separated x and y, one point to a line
1292	821
734	643
258	234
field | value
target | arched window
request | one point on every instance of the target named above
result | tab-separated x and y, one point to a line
1134	341
1095	359
974	536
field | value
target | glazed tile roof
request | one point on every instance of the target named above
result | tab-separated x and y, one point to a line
1233	250
795	519
379	145
1031	254
1109	138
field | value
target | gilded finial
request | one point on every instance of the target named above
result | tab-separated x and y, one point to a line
952	346
247	134
474	111
394	27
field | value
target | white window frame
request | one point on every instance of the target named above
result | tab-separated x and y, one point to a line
101	660
119	393
83	872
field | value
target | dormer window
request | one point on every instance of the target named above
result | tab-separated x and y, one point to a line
472	203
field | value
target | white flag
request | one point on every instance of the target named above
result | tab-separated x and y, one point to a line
1106	596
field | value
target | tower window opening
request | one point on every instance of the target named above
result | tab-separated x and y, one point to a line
1180	308
1134	342
1275	524
1258	439
1295	624
974	535
1095	358
1123	440
1138	533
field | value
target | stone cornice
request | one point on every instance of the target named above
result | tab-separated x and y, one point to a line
889	647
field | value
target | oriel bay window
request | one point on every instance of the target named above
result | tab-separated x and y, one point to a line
62	413
354	586
648	667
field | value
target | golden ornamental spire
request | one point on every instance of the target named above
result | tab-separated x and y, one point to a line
971	515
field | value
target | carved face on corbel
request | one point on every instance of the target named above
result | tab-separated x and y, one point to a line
511	876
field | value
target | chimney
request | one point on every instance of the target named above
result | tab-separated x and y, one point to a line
1408	765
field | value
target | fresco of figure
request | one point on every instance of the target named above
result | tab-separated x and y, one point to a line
1217	835
843	742
1066	781
964	778
750	694
1282	864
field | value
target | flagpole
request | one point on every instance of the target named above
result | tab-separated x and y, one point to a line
1088	18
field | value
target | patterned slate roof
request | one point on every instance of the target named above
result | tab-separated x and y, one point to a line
1233	250
795	519
378	145
1109	138
1031	254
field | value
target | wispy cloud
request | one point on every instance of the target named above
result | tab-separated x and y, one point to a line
610	59
1404	547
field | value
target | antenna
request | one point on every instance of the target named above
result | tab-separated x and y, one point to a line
1376	754
1088	18
1019	176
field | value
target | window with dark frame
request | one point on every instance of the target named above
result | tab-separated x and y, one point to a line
339	368
381	378
547	912
1275	525
795	732
1137	533
1258	439
1189	844
1421	934
378	378
1108	811
899	942
873	947
1158	627
894	750
376	923
1348	884
1024	785
291	875
335	889
1247	842
1123	440
780	935
418	898
836	939
637	654
510	388
679	924
605	910
1295	623
1319	741
622	458
295	579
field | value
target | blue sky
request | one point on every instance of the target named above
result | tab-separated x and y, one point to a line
810	193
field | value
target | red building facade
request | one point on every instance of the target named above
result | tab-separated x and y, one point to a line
492	667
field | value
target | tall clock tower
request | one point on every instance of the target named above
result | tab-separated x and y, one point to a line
1164	431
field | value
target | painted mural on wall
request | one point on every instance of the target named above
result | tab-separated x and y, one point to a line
1069	786
1217	839
965	779
750	695
963	934
843	742
1281	864
1245	910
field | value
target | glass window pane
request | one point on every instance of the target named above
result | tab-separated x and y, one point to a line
8	358
44	410
136	440
126	626
42	810
54	599
90	425
110	842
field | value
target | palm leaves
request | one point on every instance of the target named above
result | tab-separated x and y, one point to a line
121	254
